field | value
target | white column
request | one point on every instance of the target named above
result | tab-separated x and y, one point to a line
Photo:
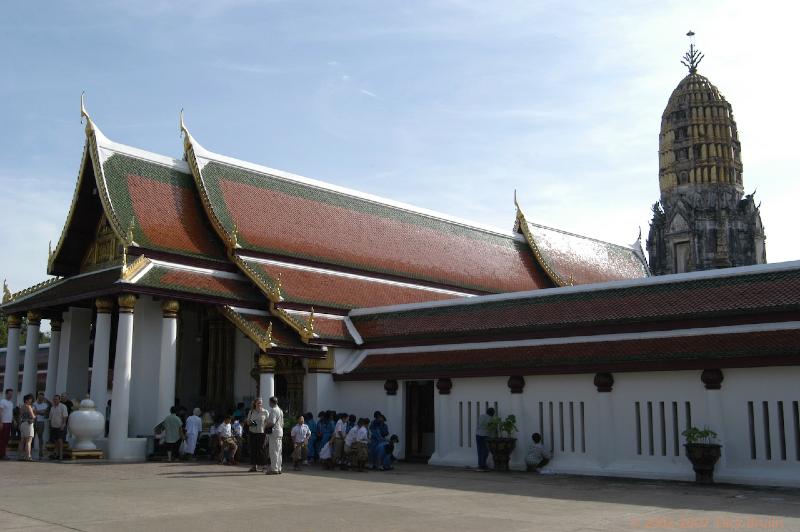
169	341
63	354
604	426
395	413
73	357
516	385
120	395
102	343
266	385
11	379
441	418
31	350
712	379
52	358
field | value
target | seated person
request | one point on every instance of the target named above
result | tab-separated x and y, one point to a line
238	436
227	444
349	443
384	452
537	455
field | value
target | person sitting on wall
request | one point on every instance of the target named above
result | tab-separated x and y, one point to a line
537	456
385	453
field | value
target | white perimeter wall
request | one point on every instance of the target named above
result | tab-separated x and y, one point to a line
634	430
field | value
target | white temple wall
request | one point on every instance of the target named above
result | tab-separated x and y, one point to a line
761	438
456	416
145	367
244	385
73	360
597	433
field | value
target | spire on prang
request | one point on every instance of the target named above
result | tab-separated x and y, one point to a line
693	57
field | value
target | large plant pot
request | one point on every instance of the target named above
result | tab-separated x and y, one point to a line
703	457
501	449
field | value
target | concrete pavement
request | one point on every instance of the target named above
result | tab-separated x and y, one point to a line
91	496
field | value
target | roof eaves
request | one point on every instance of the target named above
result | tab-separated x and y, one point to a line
585	288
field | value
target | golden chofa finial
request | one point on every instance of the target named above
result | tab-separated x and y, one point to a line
693	57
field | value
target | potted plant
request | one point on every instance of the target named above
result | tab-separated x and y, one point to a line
501	443
703	451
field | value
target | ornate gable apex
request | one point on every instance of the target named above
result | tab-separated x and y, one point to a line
571	259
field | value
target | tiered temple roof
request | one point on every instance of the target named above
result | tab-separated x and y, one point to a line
297	252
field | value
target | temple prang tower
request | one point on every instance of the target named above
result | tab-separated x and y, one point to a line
702	221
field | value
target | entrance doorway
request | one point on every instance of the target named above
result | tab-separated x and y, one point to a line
420	424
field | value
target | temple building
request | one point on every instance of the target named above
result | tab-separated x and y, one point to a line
702	221
207	280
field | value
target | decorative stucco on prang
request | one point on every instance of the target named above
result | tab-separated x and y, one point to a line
703	220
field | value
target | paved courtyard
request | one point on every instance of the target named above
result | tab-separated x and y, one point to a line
200	496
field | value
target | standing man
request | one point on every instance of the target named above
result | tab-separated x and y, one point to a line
59	416
300	436
275	432
172	433
7	417
193	428
41	406
256	424
481	433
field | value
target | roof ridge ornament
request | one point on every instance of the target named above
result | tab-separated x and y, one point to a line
85	114
6	292
693	57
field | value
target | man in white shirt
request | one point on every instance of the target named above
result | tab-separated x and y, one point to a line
194	425
357	442
59	417
41	406
226	442
481	433
275	432
7	417
339	435
300	435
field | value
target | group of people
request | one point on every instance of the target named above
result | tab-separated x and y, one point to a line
332	439
29	422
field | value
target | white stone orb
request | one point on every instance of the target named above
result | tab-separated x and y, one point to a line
86	424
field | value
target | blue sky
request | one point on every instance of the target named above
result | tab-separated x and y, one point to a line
449	105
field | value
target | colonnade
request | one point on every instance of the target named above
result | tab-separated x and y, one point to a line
61	363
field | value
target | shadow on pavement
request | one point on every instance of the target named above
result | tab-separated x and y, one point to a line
783	502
